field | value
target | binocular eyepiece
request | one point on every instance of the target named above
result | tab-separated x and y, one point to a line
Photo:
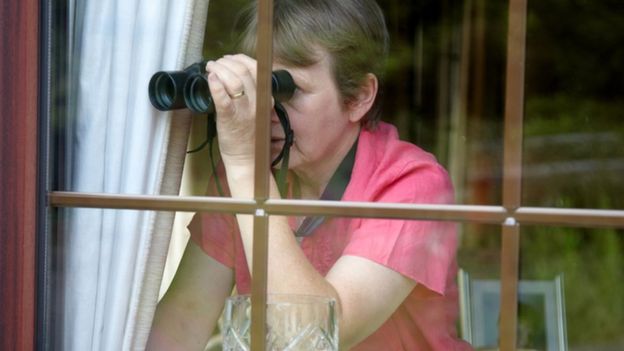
170	90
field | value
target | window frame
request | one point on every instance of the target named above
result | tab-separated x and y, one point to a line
510	215
19	177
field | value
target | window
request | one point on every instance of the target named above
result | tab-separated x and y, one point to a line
520	102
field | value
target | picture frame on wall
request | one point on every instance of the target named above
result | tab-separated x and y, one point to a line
541	313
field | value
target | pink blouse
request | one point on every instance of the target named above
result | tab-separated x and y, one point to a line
385	170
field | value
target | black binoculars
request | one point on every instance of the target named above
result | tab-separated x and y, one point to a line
189	89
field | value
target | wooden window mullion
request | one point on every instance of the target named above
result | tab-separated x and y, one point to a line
512	171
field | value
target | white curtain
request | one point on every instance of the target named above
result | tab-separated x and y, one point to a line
117	143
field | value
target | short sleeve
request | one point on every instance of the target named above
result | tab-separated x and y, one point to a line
420	250
214	234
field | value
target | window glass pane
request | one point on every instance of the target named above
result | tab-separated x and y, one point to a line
479	284
104	277
573	131
95	271
433	90
444	88
588	266
479	250
109	135
357	255
444	60
101	276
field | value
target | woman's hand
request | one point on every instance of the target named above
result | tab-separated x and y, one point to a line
232	82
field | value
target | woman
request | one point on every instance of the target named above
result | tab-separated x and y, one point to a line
393	280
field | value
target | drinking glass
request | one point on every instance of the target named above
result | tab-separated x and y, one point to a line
294	322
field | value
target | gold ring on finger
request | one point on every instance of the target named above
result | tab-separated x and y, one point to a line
237	95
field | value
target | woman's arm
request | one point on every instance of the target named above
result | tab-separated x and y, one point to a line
188	313
369	294
366	292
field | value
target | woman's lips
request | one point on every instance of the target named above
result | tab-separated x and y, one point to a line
276	144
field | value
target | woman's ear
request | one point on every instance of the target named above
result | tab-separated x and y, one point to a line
362	103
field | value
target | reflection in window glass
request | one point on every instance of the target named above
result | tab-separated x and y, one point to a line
479	284
108	137
443	84
104	272
479	252
444	88
361	259
588	266
574	136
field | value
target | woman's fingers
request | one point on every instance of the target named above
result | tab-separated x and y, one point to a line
220	95
232	85
246	61
238	73
230	80
237	78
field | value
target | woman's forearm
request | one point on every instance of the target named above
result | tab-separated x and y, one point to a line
289	270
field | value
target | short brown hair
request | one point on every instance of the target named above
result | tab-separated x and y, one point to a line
353	32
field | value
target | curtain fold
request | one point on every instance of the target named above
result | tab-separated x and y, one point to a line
117	143
169	185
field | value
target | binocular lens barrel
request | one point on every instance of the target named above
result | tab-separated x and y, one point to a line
197	95
282	85
168	89
189	88
163	92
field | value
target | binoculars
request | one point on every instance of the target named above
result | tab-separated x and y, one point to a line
170	90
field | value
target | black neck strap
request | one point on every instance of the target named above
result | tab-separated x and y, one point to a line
333	191
283	156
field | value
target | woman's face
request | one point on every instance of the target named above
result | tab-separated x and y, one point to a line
321	122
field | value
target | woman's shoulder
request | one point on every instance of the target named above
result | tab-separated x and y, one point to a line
387	164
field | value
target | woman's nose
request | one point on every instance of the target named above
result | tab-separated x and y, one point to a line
274	117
